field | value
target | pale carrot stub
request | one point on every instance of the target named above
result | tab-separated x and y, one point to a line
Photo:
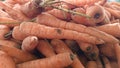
18	54
3	30
45	48
54	22
57	61
43	31
17	34
6	61
60	47
91	64
29	43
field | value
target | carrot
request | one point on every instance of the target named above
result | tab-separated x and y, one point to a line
72	44
107	50
81	2
54	22
4	14
29	43
45	48
91	64
86	47
35	9
9	43
112	29
60	47
61	14
18	54
56	33
99	63
57	61
117	51
97	13
106	62
114	64
15	14
17	34
16	1
6	61
9	21
3	30
113	12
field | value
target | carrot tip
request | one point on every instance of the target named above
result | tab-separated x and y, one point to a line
72	56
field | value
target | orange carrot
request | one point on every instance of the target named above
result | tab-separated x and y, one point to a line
3	30
6	61
54	22
117	52
43	31
17	34
16	1
91	64
45	48
58	61
99	63
15	14
60	47
4	14
106	62
112	29
9	21
114	64
108	51
18	54
29	43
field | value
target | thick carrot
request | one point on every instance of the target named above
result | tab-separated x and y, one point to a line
112	29
107	50
4	14
15	14
91	64
43	31
54	22
6	61
18	54
29	43
72	44
106	62
117	52
35	9
9	21
57	61
3	30
17	34
60	47
45	48
9	43
61	14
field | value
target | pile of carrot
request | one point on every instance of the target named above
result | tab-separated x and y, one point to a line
59	34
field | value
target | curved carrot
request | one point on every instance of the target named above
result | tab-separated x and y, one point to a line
60	47
54	22
6	61
43	31
29	43
57	61
45	48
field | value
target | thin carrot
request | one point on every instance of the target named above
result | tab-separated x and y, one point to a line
112	29
17	34
9	21
3	30
54	22
91	64
18	54
45	48
29	43
57	61
43	31
15	14
60	47
6	61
